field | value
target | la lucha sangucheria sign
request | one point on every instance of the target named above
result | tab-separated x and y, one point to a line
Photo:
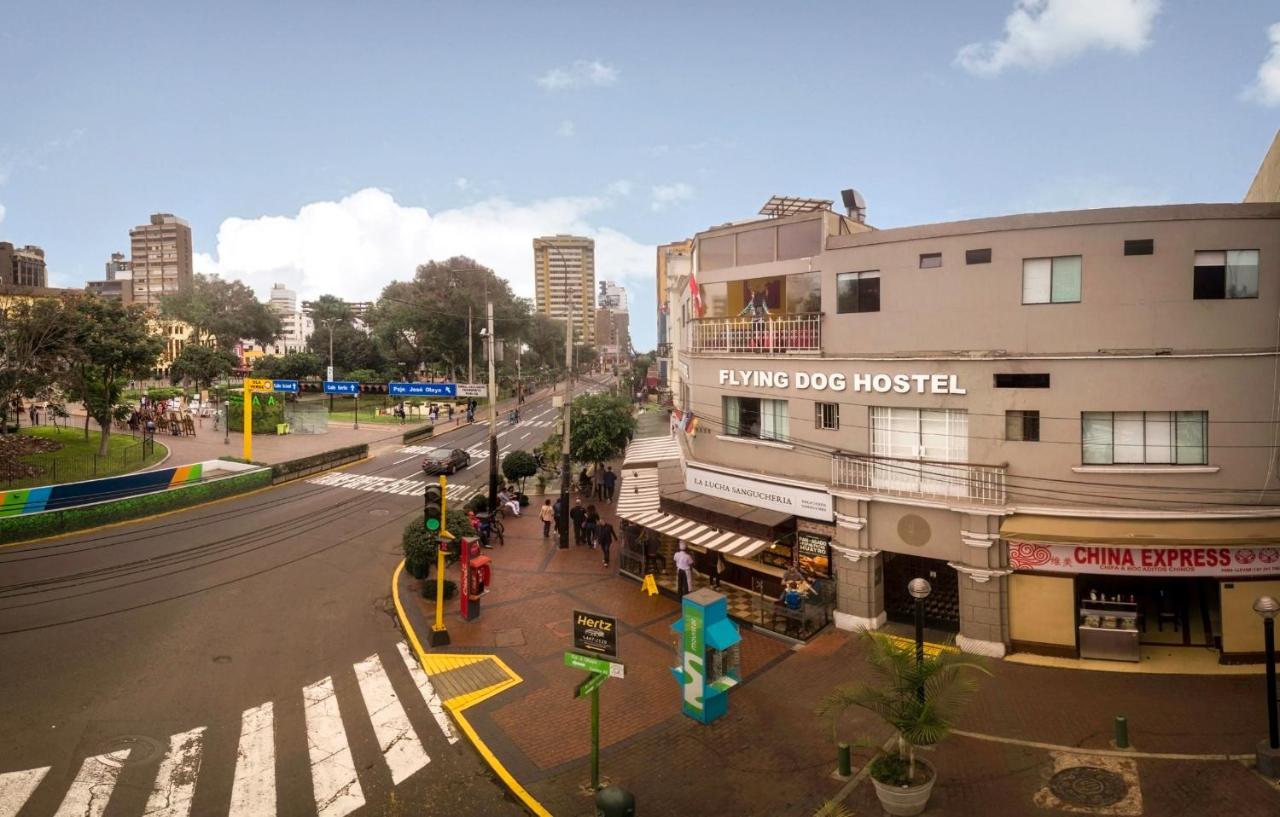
839	381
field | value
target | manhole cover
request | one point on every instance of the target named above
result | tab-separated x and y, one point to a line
379	512
140	749
1088	786
222	659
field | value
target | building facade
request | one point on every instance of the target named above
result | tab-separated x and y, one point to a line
160	259
1064	421
564	272
296	326
612	296
22	267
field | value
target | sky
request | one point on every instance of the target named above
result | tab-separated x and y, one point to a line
333	146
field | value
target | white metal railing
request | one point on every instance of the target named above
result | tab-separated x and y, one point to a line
984	484
774	334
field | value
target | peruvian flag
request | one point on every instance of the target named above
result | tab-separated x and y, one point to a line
696	294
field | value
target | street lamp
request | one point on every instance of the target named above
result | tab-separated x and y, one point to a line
919	590
1268	756
493	414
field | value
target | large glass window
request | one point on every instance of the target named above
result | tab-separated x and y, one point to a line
1225	274
755	246
802	239
858	292
715	299
716	252
1144	437
804	292
1051	280
756	417
939	435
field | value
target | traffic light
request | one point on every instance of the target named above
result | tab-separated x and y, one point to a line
433	506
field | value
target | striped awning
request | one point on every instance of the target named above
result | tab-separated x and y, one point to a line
638	503
652	449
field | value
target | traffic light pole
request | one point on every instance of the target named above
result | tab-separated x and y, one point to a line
439	633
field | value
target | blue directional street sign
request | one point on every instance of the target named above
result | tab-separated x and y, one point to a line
423	389
285	385
341	387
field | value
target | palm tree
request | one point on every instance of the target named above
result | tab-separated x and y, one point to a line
831	808
945	678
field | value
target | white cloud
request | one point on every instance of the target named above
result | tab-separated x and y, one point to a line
1265	90
1042	33
665	195
461	183
580	74
354	247
566	129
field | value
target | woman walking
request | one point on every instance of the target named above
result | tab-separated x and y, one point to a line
547	517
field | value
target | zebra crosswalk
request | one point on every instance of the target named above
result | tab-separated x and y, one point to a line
335	772
405	486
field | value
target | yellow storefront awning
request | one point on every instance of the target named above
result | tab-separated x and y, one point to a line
1055	530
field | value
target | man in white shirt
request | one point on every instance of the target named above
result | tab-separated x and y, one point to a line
684	570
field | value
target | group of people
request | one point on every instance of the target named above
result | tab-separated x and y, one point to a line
598	483
589	530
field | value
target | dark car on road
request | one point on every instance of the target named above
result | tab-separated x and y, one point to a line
445	460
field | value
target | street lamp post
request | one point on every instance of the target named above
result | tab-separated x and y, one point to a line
919	590
493	418
1268	755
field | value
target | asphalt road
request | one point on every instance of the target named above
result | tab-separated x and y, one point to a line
239	658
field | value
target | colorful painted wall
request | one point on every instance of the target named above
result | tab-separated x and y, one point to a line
72	494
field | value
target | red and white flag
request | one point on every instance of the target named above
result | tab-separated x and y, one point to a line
696	294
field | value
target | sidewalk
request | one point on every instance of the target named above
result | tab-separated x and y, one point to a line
771	754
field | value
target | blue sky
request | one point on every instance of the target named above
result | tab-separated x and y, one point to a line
333	145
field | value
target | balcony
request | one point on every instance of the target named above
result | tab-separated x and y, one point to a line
773	335
664	350
924	479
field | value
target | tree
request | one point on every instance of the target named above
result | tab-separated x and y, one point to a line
519	466
353	348
545	336
111	345
224	310
201	365
293	366
600	427
35	346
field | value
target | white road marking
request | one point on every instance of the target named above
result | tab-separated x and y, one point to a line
16	787
91	790
400	746
525	435
428	692
333	772
176	779
253	789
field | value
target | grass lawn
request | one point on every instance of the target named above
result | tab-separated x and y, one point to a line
78	459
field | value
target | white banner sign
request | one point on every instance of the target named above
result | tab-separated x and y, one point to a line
804	502
1146	561
473	390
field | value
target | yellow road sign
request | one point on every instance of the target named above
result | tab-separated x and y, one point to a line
259	384
649	586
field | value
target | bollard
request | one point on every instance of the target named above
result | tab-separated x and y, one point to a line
614	801
844	767
1122	732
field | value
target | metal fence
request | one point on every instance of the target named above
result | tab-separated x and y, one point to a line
85	466
982	484
775	334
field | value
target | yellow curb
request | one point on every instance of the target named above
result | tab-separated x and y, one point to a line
436	663
163	514
930	649
460	703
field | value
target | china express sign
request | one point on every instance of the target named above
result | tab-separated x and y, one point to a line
839	381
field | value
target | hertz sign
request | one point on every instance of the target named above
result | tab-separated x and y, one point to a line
595	633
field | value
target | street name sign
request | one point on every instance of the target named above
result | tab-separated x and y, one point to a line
593	682
423	389
473	390
341	387
258	384
285	385
593	632
590	663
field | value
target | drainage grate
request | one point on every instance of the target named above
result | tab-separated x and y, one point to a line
1088	786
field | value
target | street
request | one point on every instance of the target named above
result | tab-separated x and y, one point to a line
237	657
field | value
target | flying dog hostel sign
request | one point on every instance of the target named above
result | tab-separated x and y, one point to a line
839	381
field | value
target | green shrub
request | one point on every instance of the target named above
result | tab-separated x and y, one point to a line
283	470
478	503
450	589
519	466
421	546
268	412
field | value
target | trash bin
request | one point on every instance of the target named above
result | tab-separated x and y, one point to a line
612	801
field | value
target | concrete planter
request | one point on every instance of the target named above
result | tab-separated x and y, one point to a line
906	801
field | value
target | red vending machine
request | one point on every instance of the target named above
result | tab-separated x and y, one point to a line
475	577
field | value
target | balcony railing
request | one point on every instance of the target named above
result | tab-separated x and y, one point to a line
931	479
664	350
775	334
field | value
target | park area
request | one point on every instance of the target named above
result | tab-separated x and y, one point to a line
47	455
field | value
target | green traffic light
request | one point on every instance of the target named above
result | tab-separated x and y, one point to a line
433	524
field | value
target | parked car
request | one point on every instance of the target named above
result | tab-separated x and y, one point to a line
445	460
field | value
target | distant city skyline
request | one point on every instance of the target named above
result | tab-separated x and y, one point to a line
290	170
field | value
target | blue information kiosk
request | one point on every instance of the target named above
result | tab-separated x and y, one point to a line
708	655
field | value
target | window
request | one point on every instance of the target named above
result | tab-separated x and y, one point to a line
939	435
801	239
1051	280
716	252
754	417
1144	437
1022	426
977	256
1225	274
1140	246
1022	381
826	416
804	293
857	292
755	246
930	260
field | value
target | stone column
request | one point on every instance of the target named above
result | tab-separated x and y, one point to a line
982	611
859	576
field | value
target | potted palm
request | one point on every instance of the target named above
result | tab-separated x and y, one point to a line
918	699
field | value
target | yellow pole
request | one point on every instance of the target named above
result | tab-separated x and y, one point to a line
444	534
248	421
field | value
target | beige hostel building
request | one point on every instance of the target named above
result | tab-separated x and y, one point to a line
1066	422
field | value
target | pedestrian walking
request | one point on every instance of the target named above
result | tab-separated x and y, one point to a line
589	525
577	515
597	481
558	510
684	570
605	535
610	480
546	515
451	411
